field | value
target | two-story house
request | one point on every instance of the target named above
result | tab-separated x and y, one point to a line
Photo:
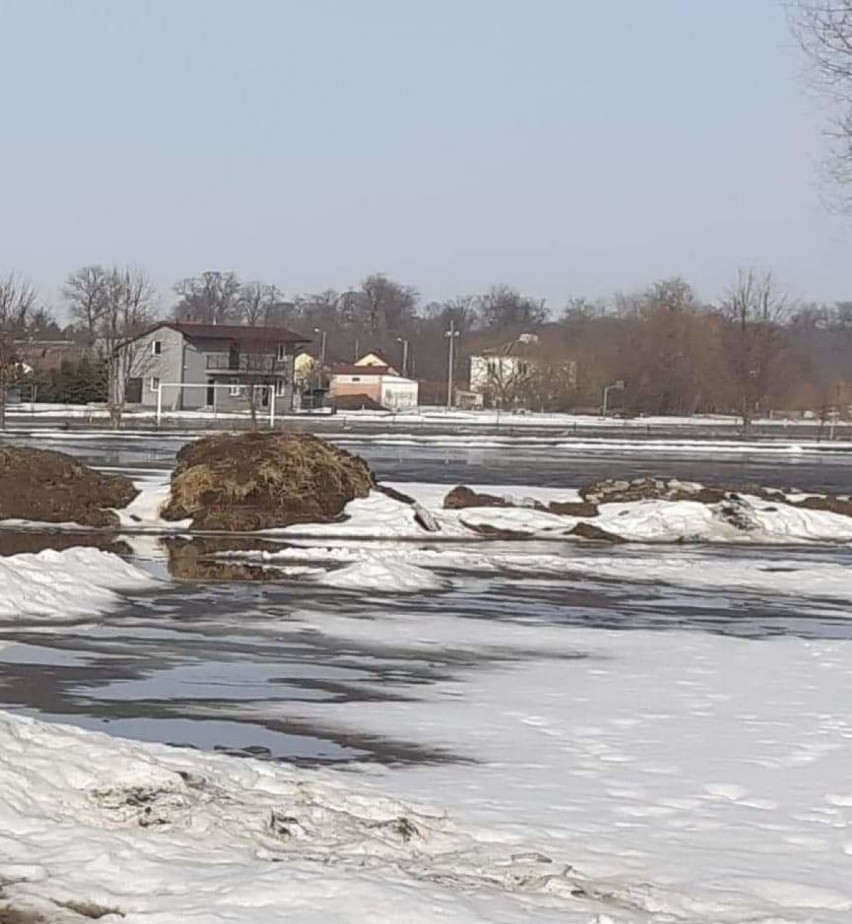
522	374
222	367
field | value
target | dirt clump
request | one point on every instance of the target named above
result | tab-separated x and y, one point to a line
462	497
828	502
609	491
10	915
53	487
590	531
250	481
573	508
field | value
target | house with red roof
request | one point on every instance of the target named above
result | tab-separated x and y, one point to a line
227	367
370	383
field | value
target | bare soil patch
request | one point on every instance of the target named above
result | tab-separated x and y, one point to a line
251	481
52	487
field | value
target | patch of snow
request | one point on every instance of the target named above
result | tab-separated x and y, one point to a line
143	512
383	575
689	777
68	584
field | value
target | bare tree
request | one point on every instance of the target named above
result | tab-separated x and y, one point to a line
754	308
503	307
385	304
17	301
211	298
824	31
128	311
85	293
256	303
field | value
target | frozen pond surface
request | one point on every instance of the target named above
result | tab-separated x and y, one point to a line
566	461
182	664
567	744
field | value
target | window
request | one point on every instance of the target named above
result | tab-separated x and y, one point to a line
356	378
235	390
281	355
156	347
280	387
155	383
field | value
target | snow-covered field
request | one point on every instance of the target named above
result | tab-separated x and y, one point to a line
595	777
650	521
427	414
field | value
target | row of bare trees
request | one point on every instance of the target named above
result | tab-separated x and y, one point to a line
753	351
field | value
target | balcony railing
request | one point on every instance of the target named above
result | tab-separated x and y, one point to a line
246	362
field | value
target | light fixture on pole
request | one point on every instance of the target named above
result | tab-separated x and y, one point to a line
616	386
451	335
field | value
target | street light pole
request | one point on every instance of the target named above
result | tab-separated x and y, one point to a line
405	345
451	335
322	354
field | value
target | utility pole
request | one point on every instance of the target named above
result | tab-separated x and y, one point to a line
451	335
322	354
405	346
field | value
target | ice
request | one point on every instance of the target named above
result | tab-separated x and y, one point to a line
378	574
687	776
143	512
632	777
61	585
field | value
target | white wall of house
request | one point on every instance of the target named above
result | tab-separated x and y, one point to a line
484	370
391	391
399	394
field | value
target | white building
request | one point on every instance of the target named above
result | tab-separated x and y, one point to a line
516	374
373	384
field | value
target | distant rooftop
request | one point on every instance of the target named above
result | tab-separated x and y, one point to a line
241	333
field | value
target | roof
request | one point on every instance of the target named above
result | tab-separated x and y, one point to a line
350	369
378	354
242	333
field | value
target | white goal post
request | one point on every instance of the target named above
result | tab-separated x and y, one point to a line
208	387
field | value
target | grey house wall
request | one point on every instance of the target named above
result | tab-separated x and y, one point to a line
185	360
167	366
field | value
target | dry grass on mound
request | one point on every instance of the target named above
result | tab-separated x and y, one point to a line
38	484
254	481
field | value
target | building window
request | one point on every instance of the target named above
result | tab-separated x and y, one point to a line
156	347
280	387
356	378
281	355
155	383
235	390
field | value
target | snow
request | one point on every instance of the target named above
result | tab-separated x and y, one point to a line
375	573
683	775
769	574
143	512
607	778
61	585
592	776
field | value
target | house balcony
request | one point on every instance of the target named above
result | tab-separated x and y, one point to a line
246	364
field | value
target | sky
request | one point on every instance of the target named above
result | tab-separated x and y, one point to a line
566	147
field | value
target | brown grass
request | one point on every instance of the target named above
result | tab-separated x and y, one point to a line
262	480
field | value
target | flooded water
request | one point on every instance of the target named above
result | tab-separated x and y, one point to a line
213	656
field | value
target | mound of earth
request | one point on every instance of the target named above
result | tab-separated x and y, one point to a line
463	497
829	502
52	487
611	491
595	533
250	481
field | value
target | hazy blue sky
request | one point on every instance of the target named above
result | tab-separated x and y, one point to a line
564	146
